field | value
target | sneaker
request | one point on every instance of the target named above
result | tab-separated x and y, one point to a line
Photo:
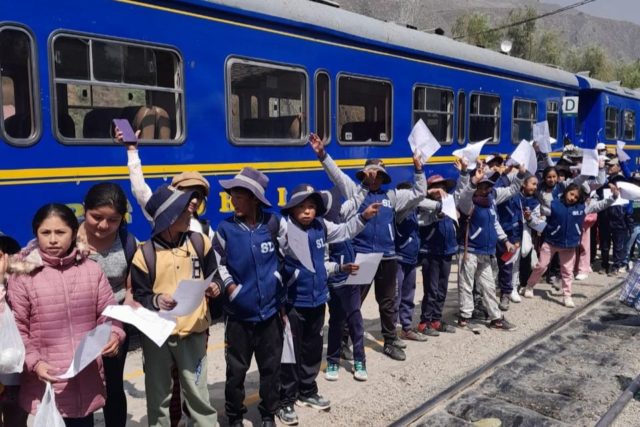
412	335
568	302
528	292
581	276
515	296
502	325
314	401
615	272
440	326
425	328
360	371
462	322
480	314
504	303
267	422
331	373
398	343
287	415
394	352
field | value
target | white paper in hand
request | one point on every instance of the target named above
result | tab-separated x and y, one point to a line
471	152
449	207
542	137
628	190
622	155
539	227
368	265
154	326
524	154
188	296
589	162
422	140
620	201
298	243
288	352
88	349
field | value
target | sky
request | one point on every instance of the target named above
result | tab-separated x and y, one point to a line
625	10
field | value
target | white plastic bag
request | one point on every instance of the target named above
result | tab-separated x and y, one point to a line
47	414
11	345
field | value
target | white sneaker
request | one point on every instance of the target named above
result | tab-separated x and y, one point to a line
568	302
581	276
528	292
515	297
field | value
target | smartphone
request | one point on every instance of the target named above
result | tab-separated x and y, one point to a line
128	135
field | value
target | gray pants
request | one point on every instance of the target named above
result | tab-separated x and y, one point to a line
190	357
479	269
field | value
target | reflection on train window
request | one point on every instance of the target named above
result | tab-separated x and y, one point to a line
484	118
16	75
97	81
267	102
323	106
552	118
435	107
462	108
525	115
611	129
364	110
629	123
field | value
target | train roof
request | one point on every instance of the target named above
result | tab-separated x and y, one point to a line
611	87
308	15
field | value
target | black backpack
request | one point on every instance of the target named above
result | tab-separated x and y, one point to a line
129	245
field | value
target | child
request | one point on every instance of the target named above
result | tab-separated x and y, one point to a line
562	235
174	254
615	224
307	293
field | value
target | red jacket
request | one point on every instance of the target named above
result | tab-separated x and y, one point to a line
56	301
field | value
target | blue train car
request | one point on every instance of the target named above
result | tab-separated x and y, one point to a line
217	85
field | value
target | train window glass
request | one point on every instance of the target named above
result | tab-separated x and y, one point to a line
552	118
323	103
525	115
611	123
484	118
461	116
16	76
364	110
629	122
435	107
97	80
271	103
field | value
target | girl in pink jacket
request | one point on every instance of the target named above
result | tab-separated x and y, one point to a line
57	296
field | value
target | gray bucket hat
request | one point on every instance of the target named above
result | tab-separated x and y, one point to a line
166	205
250	179
301	193
377	165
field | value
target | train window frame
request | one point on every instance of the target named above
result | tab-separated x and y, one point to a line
515	119
498	127
328	135
461	117
365	78
450	114
178	89
624	125
270	141
34	91
557	114
615	122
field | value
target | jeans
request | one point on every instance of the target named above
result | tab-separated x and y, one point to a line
632	241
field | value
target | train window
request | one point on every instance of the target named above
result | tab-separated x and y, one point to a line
364	110
18	123
323	103
525	115
268	103
552	118
629	122
484	118
98	80
462	106
435	107
611	129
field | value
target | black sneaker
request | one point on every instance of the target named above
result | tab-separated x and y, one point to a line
480	314
288	415
315	401
394	352
502	325
504	302
398	343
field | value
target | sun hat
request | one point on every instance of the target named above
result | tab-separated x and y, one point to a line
301	193
377	165
494	157
250	179
191	179
166	204
439	179
332	199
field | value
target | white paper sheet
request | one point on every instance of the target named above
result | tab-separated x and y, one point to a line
524	154
288	352
298	242
542	137
589	162
471	152
153	325
88	349
622	155
422	140
368	265
188	296
449	207
628	190
539	227
620	201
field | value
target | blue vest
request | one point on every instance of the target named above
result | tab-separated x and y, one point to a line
378	235
483	236
305	288
564	225
408	240
439	238
252	261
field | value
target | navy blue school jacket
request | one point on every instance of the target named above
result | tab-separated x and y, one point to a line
439	237
341	253
564	225
483	235
378	235
408	239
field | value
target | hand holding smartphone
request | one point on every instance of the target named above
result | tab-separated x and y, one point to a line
128	135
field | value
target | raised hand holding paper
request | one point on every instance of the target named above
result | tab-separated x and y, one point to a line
628	190
422	140
542	137
589	162
471	152
88	350
449	207
524	154
622	156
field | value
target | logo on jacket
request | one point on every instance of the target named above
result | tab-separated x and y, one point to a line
267	247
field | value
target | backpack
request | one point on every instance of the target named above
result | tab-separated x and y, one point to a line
197	241
129	245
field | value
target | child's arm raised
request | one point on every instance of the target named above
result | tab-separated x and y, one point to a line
407	200
347	187
504	194
350	229
600	205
